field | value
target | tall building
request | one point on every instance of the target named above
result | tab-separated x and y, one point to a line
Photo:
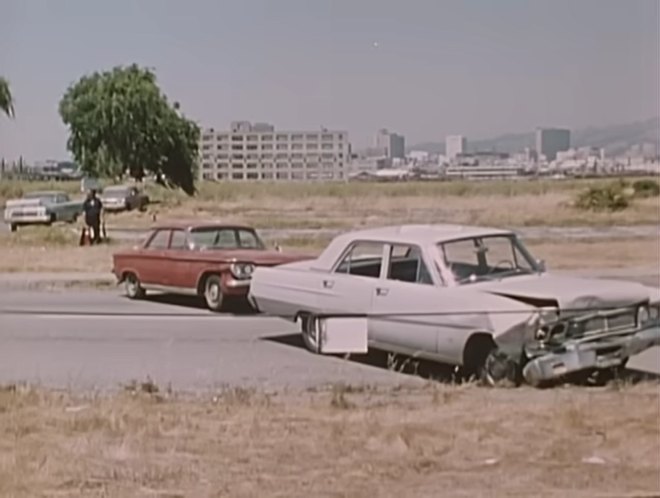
259	152
390	145
549	141
454	145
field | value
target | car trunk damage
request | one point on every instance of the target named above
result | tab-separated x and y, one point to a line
580	324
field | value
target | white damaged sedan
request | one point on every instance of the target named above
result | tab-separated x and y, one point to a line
468	296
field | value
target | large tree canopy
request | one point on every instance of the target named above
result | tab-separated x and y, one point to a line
6	100
119	120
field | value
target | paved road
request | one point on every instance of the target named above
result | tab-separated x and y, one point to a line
99	340
111	341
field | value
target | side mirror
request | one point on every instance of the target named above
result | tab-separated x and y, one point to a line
541	264
277	247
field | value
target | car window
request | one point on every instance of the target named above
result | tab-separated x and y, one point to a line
226	238
486	257
461	252
160	240
364	259
406	264
248	239
178	240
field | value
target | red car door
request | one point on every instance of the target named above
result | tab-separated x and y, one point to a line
153	259
180	272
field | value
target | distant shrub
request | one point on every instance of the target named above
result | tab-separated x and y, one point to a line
612	197
646	188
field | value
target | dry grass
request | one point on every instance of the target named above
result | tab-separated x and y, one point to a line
597	254
52	249
343	205
55	249
549	209
433	441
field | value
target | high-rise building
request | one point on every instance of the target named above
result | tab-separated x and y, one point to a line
549	141
454	145
390	145
259	152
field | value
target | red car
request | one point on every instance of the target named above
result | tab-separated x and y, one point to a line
213	261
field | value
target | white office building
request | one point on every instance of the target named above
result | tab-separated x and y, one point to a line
259	152
455	145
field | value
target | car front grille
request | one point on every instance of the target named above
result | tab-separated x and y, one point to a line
24	214
619	321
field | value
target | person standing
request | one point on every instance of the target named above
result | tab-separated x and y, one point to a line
92	208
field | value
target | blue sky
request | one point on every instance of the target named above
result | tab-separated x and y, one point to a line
477	67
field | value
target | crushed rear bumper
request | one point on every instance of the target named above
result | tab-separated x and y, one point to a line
599	353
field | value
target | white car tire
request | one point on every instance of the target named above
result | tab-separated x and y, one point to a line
308	326
133	287
498	370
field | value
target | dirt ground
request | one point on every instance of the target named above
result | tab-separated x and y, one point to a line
56	250
439	440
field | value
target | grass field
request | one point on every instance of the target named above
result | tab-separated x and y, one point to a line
346	205
439	440
56	249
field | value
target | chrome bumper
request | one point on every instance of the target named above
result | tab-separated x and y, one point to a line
237	284
596	354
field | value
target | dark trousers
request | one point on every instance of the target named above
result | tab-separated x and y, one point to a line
94	230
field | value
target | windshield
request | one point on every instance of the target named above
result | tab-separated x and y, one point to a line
484	258
43	196
226	238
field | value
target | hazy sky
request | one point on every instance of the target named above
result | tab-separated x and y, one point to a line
477	67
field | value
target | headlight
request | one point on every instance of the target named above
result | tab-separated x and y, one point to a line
542	333
643	315
547	332
242	270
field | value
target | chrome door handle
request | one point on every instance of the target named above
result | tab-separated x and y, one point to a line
328	284
380	291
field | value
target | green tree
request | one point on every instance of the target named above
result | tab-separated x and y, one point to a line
6	100
120	121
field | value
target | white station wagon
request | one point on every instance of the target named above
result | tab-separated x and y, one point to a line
468	296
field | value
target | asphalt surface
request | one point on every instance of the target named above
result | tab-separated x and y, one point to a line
100	340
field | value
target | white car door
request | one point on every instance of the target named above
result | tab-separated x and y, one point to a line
406	289
349	289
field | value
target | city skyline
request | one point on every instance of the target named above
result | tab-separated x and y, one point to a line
426	69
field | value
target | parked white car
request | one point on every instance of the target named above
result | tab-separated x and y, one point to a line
41	208
468	296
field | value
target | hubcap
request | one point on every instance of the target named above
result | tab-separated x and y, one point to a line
213	292
131	285
309	330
